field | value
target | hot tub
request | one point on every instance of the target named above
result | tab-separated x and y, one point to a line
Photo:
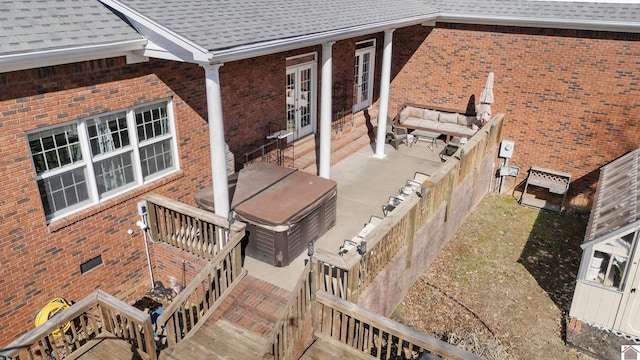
284	210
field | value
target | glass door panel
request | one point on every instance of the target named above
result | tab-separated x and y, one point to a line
363	78
300	99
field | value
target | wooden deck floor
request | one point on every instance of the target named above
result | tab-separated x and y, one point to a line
218	340
105	347
323	349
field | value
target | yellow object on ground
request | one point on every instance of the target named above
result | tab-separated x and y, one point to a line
50	310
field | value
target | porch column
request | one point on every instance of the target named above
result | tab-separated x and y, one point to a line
383	107
325	111
216	141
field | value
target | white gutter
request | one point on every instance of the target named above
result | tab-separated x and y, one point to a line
163	36
200	54
35	59
280	45
611	26
275	46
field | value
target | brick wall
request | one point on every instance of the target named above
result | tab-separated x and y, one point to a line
570	97
173	267
39	261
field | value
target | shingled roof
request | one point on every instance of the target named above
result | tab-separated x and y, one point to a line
215	28
564	13
32	25
223	24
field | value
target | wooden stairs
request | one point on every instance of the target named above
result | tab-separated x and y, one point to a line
239	328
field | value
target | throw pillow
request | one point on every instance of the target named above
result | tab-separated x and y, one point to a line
448	118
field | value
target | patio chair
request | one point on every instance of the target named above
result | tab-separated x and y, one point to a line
397	135
418	179
373	221
391	205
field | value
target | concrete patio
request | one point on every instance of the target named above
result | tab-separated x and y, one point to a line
365	183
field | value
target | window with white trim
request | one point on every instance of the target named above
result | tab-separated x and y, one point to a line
78	164
609	261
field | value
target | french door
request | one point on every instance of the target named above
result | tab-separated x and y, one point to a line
300	94
363	75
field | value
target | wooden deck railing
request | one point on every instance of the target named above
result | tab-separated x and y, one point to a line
199	232
290	328
95	316
349	275
204	293
376	335
337	275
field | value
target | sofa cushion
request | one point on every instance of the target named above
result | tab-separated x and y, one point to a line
448	118
465	120
408	112
420	123
431	115
455	129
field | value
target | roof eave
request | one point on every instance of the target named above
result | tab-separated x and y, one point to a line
298	42
168	43
50	57
611	26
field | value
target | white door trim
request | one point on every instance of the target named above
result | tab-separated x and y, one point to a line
301	99
363	99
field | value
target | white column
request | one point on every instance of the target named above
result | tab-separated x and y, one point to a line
325	111
383	107
216	141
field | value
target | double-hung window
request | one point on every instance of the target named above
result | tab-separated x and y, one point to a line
81	163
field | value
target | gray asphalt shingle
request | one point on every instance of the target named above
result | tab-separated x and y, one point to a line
220	24
36	25
543	10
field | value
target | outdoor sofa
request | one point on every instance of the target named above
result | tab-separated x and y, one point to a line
430	119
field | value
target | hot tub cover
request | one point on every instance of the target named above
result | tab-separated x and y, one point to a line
273	196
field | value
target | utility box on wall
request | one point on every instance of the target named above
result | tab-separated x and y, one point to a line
506	149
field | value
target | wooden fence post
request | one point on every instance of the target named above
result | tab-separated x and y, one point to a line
152	218
411	232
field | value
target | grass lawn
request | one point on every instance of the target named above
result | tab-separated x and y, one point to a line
501	284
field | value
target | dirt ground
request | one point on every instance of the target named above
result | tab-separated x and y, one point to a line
499	288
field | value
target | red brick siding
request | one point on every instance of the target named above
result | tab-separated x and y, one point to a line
570	97
40	262
174	267
570	100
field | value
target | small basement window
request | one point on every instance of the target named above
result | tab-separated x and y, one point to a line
609	261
